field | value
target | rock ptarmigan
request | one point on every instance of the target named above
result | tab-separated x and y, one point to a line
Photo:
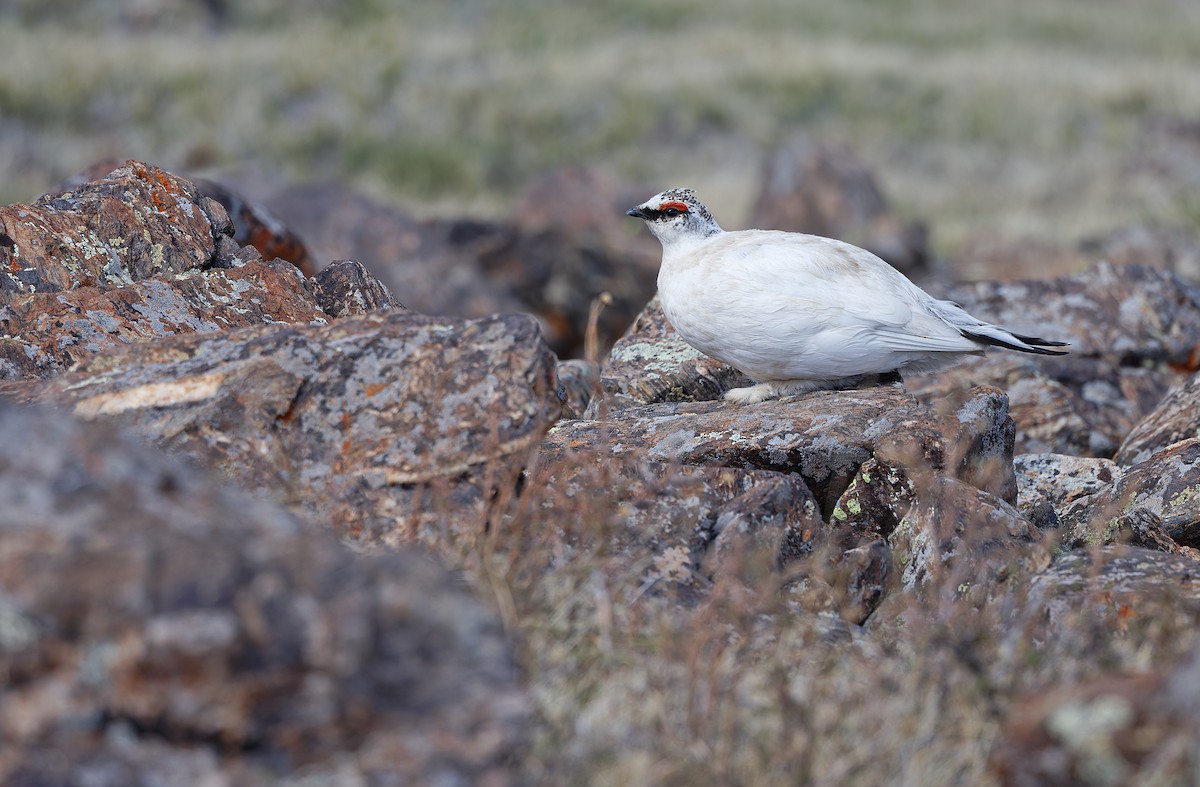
800	312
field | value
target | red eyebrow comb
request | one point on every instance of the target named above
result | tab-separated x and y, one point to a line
676	205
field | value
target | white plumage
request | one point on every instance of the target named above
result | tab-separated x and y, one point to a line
799	312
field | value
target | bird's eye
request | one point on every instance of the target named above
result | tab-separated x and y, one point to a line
671	212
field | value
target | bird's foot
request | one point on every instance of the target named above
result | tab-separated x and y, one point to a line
764	391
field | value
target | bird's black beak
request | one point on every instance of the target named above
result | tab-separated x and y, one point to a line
637	213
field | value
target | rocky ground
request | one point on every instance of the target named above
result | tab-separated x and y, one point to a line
262	522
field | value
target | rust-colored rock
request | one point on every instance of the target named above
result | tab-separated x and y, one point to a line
137	222
156	622
391	427
254	225
46	333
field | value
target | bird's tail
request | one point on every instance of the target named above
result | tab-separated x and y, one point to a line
1000	337
985	333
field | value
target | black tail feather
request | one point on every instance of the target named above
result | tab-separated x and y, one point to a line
1036	345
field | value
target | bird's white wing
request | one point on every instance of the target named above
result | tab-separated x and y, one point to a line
830	285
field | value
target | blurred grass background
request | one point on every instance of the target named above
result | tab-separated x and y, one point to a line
1025	118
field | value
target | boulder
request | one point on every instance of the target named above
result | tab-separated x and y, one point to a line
825	436
1167	485
390	427
1177	417
652	363
675	528
1047	484
960	537
345	288
135	223
160	627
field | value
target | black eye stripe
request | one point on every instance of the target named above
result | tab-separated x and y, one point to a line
655	215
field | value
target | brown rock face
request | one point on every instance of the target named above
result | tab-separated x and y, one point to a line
137	222
387	426
156	622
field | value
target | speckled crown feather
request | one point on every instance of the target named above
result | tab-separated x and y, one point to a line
687	196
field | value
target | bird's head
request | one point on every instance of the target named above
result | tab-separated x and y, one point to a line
675	215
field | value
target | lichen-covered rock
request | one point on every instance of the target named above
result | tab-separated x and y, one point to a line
1132	330
652	363
954	531
1122	582
825	436
47	333
870	509
137	222
677	526
1058	480
156	626
389	426
1177	417
1128	728
345	288
1167	485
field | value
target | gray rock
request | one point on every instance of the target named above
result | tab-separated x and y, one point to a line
345	288
953	530
156	625
388	427
1177	417
1166	485
1058	480
1130	329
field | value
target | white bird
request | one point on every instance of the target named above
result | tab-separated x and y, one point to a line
799	312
